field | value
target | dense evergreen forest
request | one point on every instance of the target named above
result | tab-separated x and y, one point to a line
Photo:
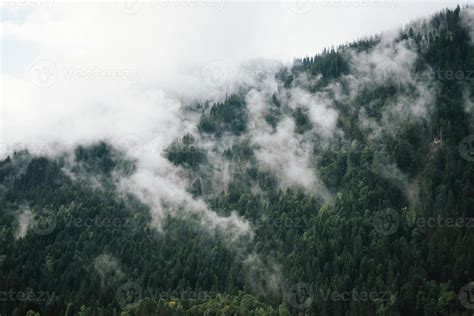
386	230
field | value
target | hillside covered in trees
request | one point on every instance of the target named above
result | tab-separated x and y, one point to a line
340	185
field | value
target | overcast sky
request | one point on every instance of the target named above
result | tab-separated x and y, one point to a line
136	33
64	60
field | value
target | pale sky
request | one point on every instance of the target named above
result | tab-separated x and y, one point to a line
139	33
65	60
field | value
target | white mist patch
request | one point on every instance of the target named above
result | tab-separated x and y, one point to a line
284	153
468	102
161	185
408	108
321	115
134	116
24	219
109	270
388	61
80	89
140	121
467	17
391	62
263	277
373	127
281	150
257	105
108	265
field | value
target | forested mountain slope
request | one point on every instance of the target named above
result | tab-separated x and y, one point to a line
342	185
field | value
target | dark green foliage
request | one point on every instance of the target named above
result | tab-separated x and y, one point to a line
185	152
228	116
96	157
274	114
330	64
239	153
302	121
6	168
89	223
